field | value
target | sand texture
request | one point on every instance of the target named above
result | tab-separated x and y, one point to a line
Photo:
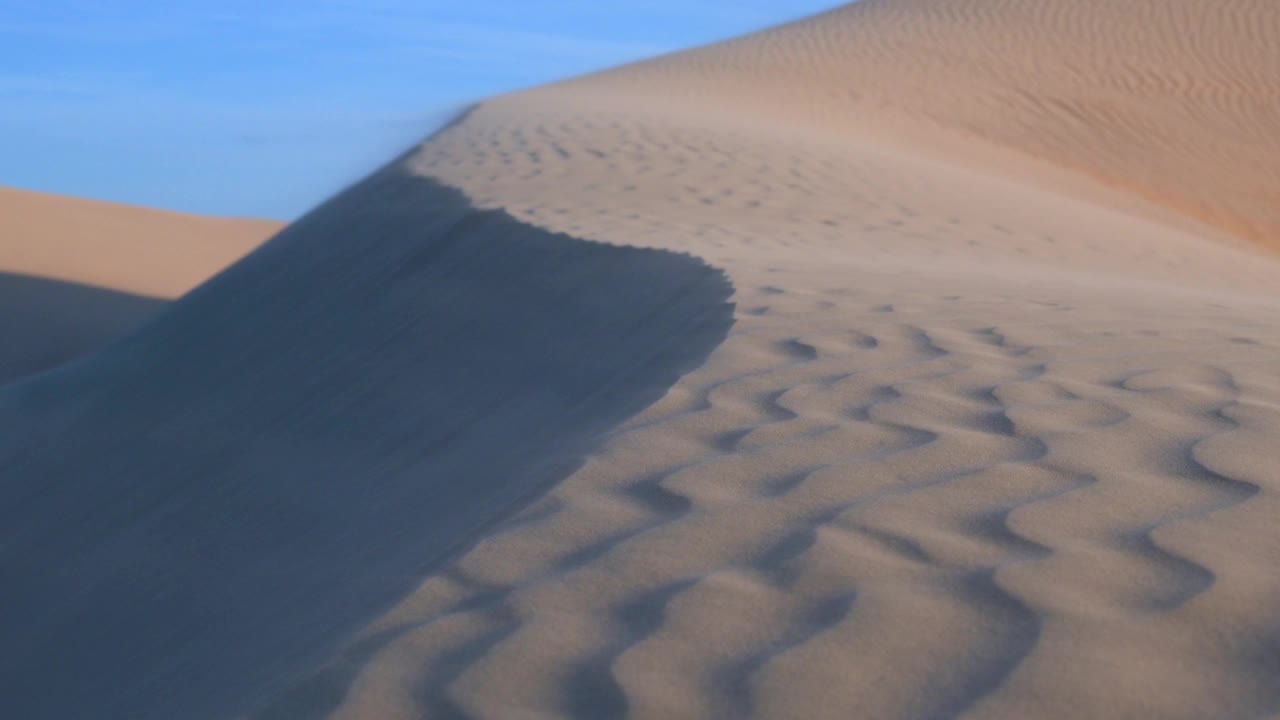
920	359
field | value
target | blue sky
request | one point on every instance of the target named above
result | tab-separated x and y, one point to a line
265	107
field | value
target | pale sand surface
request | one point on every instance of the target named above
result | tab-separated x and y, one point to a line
992	432
75	274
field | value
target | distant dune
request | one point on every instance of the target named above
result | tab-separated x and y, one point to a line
119	247
917	359
75	274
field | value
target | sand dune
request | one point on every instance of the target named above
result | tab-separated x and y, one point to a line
987	433
289	448
1172	100
47	323
75	274
119	247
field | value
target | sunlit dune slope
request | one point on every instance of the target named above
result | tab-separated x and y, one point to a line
119	247
1174	100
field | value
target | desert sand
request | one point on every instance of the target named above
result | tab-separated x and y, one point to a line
76	274
917	359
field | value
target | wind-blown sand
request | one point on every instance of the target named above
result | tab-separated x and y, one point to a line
988	432
75	274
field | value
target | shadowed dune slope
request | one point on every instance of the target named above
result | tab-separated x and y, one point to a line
215	502
45	323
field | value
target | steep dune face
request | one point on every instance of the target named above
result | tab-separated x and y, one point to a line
76	274
217	501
